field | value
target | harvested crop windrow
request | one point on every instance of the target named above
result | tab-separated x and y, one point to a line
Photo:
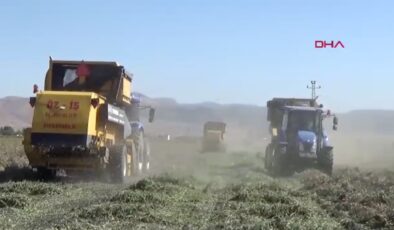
163	200
13	200
30	188
212	191
267	206
356	199
175	203
11	153
349	199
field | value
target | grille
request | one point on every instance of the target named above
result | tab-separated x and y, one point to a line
308	147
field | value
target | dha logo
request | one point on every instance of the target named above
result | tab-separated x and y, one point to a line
324	44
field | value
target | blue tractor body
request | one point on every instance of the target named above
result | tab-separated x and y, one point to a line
298	138
141	144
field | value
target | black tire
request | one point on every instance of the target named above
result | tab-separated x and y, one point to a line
136	161
146	156
118	164
138	154
326	161
277	163
46	174
280	165
268	158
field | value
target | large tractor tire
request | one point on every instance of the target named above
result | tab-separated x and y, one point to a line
138	154
146	156
268	158
46	174
119	168
326	161
276	163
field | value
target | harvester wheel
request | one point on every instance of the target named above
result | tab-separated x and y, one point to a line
146	156
326	161
118	164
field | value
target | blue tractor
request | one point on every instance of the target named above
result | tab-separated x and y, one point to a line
298	138
142	146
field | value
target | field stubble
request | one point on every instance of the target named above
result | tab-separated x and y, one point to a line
191	190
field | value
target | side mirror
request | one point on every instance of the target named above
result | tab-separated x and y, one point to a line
35	88
335	123
151	114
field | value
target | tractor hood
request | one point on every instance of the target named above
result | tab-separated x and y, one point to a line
306	136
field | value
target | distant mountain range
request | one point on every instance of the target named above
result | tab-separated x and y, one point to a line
15	112
187	119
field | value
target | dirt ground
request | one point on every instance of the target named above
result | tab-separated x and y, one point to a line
191	190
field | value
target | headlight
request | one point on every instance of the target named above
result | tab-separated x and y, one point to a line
301	147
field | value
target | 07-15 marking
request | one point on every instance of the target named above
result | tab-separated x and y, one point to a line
73	105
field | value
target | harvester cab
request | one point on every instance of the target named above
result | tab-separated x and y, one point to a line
80	121
213	136
298	136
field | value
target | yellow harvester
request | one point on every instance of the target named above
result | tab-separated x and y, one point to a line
85	119
213	139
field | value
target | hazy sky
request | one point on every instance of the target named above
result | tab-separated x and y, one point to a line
210	50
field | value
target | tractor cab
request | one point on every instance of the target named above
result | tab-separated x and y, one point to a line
302	119
302	125
298	139
133	111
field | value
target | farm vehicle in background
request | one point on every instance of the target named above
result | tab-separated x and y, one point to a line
298	138
213	137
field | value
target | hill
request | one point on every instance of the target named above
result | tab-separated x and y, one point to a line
15	112
187	119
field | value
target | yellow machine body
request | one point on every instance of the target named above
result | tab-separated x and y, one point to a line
65	112
213	139
72	128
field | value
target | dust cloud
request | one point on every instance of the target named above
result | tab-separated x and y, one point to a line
369	151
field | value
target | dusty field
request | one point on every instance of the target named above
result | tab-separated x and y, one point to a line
11	152
190	190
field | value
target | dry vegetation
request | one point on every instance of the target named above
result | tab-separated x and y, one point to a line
190	190
11	152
